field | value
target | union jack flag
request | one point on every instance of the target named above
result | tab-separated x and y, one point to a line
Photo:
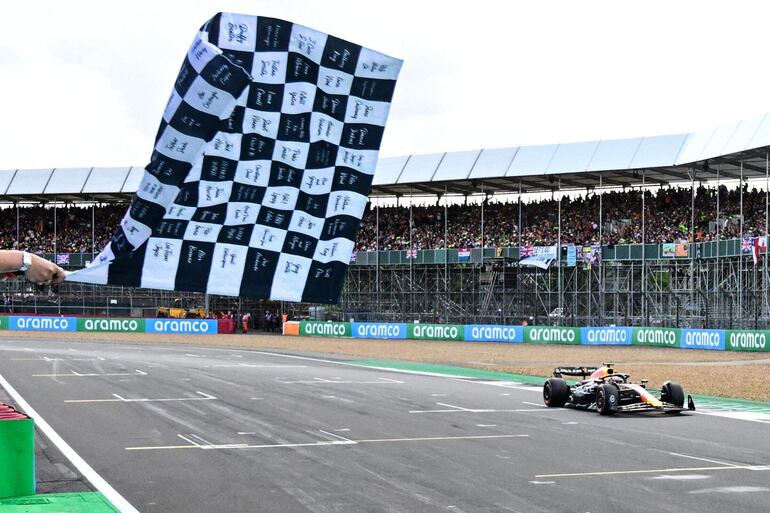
63	259
411	253
527	250
747	244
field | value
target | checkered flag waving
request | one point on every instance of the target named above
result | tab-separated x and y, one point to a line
261	169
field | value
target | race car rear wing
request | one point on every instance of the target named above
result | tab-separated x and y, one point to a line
582	371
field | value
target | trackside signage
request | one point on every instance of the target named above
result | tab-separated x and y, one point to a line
378	330
493	333
747	340
659	337
186	326
40	323
3	322
606	336
551	335
111	325
324	329
436	331
703	339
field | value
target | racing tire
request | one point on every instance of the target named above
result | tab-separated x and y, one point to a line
555	392
607	399
672	393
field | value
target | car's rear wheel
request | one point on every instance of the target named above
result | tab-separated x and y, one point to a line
555	392
607	399
672	393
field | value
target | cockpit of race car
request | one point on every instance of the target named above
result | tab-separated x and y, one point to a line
609	392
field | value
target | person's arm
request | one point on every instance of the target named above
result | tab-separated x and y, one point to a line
36	269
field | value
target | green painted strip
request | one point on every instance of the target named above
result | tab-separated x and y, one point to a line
701	401
90	502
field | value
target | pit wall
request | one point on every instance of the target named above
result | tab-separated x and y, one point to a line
109	325
715	340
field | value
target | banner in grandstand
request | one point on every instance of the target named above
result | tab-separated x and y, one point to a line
411	253
262	166
668	250
591	255
463	254
62	259
542	257
682	250
571	255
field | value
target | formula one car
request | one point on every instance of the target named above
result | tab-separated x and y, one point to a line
609	392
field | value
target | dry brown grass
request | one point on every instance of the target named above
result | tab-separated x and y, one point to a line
727	374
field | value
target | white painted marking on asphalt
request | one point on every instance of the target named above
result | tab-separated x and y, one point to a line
120	399
569	423
732	489
323	443
718	462
80	464
682	477
247	433
539	405
196	444
763	418
450	408
257	398
201	439
543	482
324	381
438	395
259	366
453	406
759	467
334	436
75	374
486	425
343	430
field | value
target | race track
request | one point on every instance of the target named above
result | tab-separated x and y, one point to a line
194	429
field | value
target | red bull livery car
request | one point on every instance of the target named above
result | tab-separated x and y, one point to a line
609	392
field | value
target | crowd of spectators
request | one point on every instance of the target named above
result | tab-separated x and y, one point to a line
73	232
667	219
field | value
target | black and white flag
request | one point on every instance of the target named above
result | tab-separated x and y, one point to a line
261	169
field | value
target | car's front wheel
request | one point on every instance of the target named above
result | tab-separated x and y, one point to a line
607	399
555	392
672	393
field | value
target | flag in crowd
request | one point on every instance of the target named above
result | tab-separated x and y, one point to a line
411	253
63	259
261	169
464	254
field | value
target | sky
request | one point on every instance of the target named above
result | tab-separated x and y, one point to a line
84	83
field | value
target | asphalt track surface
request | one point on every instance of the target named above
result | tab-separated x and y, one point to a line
195	429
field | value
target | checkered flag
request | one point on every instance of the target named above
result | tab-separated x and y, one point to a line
262	166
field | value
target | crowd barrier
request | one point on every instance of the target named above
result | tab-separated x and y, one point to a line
716	340
109	325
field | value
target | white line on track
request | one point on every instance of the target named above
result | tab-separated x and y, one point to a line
259	366
120	399
323	443
80	464
75	374
718	462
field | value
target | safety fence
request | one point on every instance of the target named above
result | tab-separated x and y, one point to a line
718	340
112	324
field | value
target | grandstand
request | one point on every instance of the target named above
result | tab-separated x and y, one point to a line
675	222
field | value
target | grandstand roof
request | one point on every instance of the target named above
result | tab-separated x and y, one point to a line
619	162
